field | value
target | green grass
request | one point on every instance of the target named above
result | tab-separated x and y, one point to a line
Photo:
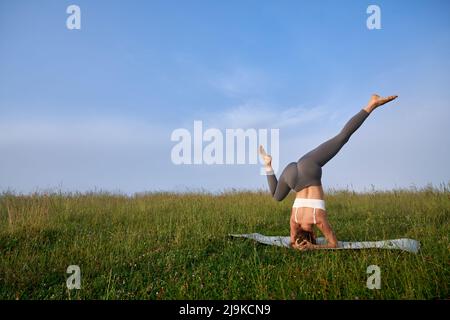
175	246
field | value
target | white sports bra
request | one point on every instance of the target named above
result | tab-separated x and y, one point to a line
308	203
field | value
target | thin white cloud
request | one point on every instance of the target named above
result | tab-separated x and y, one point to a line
240	81
260	115
100	131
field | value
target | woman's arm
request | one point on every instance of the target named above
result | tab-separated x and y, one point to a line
293	230
328	232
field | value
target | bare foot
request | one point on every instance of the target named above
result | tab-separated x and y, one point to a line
266	158
377	101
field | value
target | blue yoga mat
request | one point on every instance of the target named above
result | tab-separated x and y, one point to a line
404	244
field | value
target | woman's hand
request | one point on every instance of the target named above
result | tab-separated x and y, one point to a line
303	246
266	158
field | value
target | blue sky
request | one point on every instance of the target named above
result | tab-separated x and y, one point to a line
94	108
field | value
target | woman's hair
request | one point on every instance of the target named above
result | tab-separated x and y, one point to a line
301	235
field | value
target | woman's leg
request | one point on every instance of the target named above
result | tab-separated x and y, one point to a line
320	155
280	188
327	150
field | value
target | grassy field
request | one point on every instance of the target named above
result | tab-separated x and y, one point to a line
175	246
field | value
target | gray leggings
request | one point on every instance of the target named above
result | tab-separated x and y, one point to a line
307	171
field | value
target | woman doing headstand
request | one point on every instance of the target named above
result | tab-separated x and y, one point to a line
304	176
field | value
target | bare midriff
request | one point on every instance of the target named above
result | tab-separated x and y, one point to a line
311	192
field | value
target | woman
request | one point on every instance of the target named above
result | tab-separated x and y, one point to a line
304	176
